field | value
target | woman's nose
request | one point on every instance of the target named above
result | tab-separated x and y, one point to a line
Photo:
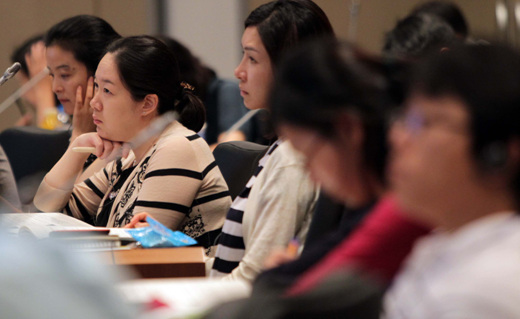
56	86
240	73
95	103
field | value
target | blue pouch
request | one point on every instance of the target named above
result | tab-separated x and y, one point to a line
158	235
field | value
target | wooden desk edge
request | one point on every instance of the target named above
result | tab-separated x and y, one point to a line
177	255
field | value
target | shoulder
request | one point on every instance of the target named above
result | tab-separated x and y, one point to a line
285	156
177	138
181	147
284	168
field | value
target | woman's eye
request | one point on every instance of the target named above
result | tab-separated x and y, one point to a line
65	76
105	90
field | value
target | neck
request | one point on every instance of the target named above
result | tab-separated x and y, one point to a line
478	206
369	190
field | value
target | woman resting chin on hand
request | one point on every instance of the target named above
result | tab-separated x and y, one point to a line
173	177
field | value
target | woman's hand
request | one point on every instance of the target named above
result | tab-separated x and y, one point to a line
41	95
105	149
278	257
138	221
82	121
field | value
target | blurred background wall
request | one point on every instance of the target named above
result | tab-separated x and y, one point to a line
212	28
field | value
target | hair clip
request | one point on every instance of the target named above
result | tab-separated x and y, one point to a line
187	86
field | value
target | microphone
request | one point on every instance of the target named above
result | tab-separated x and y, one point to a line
10	72
24	88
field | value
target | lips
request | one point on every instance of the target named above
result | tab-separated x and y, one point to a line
96	120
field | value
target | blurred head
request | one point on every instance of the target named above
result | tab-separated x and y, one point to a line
418	35
332	102
270	30
458	142
447	11
74	48
136	81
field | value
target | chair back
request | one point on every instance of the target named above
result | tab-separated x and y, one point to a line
237	161
32	152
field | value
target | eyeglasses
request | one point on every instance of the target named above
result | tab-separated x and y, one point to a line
415	121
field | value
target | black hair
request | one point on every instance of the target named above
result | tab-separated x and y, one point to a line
19	52
487	80
192	70
284	23
447	11
85	36
320	80
418	35
147	66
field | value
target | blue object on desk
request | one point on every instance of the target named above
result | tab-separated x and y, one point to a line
158	235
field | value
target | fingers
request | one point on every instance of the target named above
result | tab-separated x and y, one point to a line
79	100
108	146
137	225
83	104
125	150
110	150
114	151
82	120
138	221
35	58
90	92
277	258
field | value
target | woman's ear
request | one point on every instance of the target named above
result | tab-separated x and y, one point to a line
150	104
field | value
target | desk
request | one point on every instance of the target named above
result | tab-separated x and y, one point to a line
185	297
159	262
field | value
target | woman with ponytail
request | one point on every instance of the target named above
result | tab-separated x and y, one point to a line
173	177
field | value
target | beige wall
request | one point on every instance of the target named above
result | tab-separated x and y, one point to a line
23	18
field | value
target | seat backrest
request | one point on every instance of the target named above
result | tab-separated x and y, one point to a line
237	161
32	152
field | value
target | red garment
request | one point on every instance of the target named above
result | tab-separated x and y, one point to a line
377	247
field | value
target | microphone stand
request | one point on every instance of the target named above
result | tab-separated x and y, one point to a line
24	88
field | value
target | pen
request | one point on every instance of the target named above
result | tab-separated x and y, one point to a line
84	149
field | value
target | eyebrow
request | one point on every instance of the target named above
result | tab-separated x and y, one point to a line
250	49
64	66
104	81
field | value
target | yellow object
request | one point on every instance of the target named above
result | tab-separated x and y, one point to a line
50	121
